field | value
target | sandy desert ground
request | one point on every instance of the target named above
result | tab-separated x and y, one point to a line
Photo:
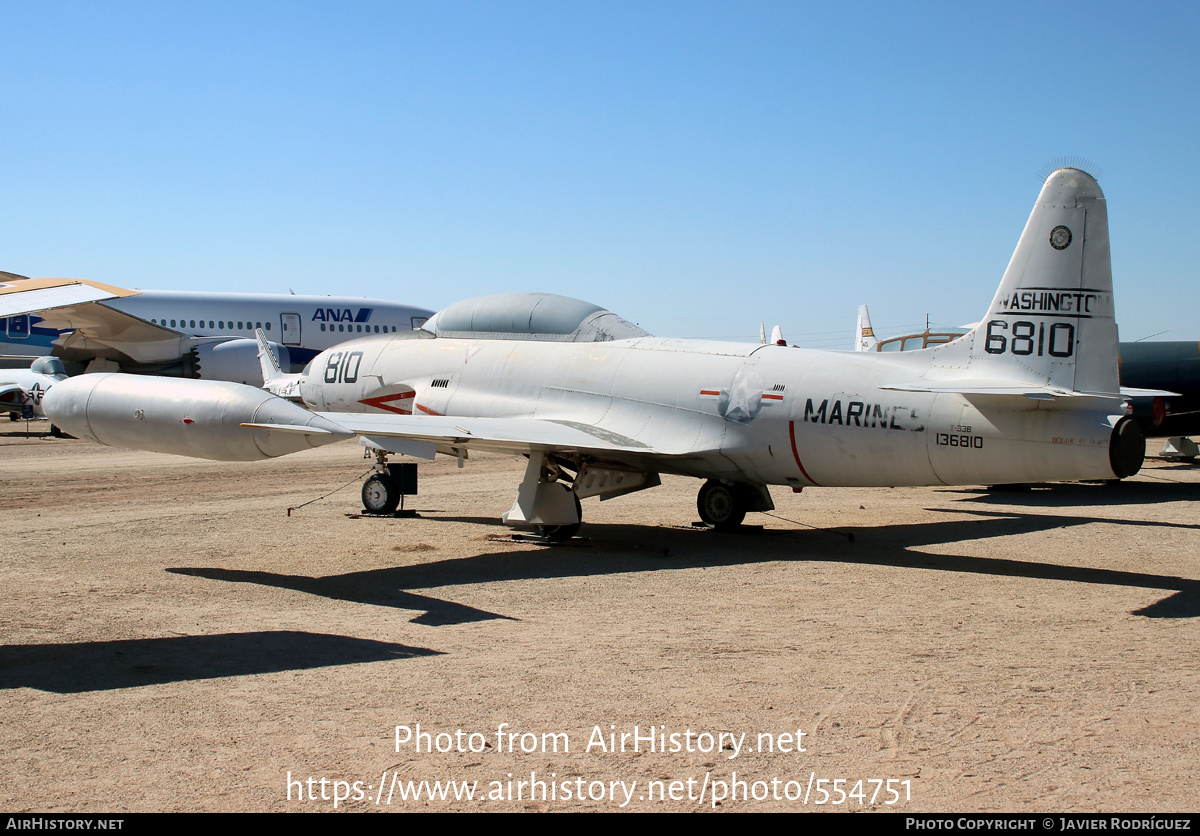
173	640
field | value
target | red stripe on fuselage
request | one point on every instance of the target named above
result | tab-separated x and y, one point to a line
796	454
381	402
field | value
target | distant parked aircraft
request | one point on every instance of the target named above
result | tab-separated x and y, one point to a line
98	327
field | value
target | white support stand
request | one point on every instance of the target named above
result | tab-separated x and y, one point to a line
1180	449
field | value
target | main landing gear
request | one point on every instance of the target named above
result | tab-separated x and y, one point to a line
723	505
562	533
544	502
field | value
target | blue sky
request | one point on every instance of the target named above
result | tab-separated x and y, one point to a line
697	167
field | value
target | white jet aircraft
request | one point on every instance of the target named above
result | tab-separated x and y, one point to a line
22	390
601	408
208	336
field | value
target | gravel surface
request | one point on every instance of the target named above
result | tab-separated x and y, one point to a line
174	640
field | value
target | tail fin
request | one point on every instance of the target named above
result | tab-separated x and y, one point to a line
271	370
1051	324
864	336
275	380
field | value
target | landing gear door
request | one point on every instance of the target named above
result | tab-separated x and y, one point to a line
290	324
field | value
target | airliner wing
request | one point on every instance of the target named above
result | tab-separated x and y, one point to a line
77	305
23	296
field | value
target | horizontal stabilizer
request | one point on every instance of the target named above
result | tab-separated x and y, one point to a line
1011	388
1130	392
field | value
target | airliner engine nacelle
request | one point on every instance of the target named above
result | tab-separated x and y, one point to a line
235	360
201	418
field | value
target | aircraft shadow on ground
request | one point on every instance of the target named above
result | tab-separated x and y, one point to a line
103	666
1075	494
381	588
621	549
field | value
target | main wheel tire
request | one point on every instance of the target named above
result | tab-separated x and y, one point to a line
562	533
380	495
721	506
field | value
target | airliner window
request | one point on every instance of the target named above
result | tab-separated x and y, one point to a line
210	325
193	323
172	323
268	326
240	327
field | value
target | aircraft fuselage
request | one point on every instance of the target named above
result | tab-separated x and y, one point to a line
761	414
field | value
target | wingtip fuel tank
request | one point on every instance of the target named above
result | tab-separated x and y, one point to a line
201	418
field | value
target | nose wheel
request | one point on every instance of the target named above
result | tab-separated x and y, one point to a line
720	505
380	494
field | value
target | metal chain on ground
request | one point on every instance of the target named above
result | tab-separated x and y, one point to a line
331	493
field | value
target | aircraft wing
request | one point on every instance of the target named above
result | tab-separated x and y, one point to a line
421	435
24	296
99	331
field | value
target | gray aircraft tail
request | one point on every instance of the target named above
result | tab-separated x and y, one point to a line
1050	331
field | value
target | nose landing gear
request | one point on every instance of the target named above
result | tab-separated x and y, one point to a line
385	489
380	494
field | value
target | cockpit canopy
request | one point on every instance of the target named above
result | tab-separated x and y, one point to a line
530	316
51	366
